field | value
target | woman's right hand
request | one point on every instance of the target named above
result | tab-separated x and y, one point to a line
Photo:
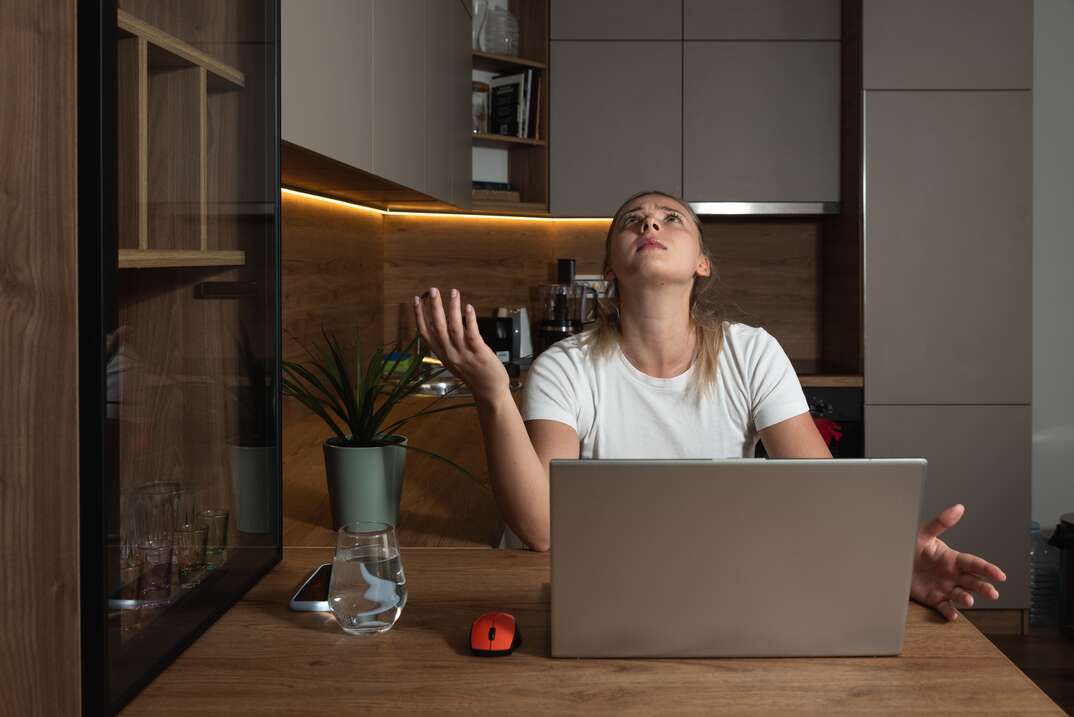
452	334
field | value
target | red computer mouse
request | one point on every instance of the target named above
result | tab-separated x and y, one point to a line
494	634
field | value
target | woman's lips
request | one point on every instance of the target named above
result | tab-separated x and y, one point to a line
649	244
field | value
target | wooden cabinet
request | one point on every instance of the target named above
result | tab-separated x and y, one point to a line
978	456
326	78
616	123
382	87
761	19
761	121
948	235
955	44
622	20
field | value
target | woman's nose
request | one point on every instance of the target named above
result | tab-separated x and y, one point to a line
650	224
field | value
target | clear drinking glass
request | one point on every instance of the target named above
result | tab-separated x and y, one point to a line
156	507
190	553
216	541
368	588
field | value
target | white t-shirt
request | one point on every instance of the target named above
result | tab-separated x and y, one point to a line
620	412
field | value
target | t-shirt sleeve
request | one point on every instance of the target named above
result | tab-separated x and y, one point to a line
551	389
775	391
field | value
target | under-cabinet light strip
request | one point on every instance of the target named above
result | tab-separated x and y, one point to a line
448	215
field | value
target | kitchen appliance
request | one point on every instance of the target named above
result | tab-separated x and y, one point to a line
838	414
567	308
508	334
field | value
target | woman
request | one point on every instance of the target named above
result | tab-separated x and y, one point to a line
709	388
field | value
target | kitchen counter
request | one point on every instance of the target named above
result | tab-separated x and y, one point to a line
262	659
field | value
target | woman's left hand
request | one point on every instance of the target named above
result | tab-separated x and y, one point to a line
945	578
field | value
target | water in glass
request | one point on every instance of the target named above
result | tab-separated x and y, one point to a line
368	588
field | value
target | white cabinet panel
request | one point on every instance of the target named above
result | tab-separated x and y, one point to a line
953	44
326	78
616	123
761	121
978	456
948	247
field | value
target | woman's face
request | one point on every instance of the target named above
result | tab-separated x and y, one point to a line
655	239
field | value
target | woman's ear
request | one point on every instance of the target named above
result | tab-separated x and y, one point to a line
704	267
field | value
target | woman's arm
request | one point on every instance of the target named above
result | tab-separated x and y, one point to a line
795	437
518	454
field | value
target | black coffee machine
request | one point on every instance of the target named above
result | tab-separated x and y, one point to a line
566	308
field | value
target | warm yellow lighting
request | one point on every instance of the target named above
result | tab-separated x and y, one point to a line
442	215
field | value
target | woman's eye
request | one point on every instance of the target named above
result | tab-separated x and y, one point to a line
629	219
672	218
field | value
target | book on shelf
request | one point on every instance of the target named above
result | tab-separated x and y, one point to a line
514	104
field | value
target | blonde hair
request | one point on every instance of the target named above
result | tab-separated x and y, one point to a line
706	311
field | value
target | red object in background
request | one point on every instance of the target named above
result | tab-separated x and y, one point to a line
829	430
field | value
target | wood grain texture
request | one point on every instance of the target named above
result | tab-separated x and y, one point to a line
132	116
769	276
278	662
440	506
174	153
492	262
332	269
40	667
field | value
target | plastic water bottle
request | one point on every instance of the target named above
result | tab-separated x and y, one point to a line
1043	580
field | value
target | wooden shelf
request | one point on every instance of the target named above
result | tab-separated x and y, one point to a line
488	62
506	139
529	209
167	258
824	381
165	50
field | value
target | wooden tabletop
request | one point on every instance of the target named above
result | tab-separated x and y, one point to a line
262	659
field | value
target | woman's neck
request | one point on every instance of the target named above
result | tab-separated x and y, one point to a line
656	332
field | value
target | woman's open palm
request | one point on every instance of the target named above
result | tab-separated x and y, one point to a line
943	577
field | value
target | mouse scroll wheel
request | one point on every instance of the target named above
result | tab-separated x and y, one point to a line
492	634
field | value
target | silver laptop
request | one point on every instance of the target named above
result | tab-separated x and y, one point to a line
732	558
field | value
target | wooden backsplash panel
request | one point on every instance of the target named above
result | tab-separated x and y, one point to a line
332	272
492	262
769	276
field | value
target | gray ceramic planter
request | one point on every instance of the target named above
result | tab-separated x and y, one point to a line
364	483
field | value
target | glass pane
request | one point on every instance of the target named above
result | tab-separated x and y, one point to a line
192	457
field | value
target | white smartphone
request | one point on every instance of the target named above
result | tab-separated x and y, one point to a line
313	595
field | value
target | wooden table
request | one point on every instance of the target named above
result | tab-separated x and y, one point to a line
261	659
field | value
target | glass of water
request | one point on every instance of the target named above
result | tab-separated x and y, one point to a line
368	589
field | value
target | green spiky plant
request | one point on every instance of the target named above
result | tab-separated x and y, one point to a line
356	407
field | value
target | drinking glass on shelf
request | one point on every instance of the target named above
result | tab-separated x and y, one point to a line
500	32
216	539
190	544
367	592
156	507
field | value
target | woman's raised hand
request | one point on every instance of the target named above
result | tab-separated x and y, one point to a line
452	334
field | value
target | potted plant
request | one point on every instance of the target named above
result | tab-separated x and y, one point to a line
365	456
252	449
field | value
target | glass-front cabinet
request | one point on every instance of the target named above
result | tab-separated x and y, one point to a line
189	490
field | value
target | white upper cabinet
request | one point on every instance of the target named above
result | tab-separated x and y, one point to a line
326	78
616	19
761	122
949	45
761	19
381	86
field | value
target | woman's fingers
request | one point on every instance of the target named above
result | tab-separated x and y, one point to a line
439	326
961	598
976	585
454	321
473	333
980	567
